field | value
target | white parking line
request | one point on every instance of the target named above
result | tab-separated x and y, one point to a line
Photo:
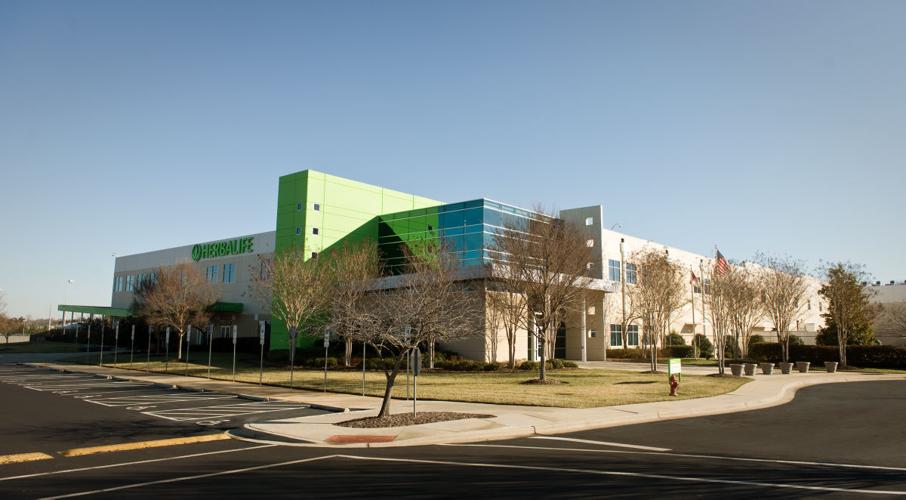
602	443
189	478
154	399
631	474
686	455
224	411
137	462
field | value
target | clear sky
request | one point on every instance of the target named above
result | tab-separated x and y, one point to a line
127	126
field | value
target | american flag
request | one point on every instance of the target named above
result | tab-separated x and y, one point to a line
721	266
694	280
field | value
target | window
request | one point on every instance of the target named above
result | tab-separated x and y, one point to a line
130	283
809	304
590	243
314	255
226	331
153	277
707	285
697	288
141	279
228	273
211	273
616	335
632	335
589	221
118	284
631	277
315	231
590	311
589	265
592	334
298	231
820	306
316	207
298	206
613	267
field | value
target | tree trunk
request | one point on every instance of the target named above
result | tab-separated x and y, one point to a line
347	360
388	390
431	354
179	336
511	346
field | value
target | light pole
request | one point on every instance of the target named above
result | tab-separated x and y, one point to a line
326	345
407	332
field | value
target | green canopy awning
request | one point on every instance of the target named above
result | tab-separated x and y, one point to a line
116	312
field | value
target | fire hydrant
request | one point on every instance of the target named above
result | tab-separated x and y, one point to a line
674	384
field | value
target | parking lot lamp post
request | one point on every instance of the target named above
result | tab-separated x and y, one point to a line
101	356
116	340
235	335
167	350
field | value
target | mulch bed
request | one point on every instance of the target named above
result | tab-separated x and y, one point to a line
401	419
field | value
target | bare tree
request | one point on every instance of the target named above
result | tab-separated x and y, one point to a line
427	304
782	288
745	310
353	269
658	293
511	311
848	301
177	296
545	259
295	286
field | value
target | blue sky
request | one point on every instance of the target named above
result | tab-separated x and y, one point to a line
126	126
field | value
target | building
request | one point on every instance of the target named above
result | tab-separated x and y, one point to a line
316	210
892	298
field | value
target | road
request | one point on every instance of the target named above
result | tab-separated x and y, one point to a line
839	440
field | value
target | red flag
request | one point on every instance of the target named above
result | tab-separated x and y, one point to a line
694	280
721	266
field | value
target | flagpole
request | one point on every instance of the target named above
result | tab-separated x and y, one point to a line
692	301
701	270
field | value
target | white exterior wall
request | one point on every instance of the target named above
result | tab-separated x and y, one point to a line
808	323
237	291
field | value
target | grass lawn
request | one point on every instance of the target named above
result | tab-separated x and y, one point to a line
581	388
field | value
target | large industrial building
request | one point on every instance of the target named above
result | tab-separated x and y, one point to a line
316	210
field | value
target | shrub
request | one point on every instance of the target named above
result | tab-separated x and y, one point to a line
705	348
528	365
679	351
570	364
675	339
795	340
756	339
491	367
319	362
630	353
731	347
554	364
866	356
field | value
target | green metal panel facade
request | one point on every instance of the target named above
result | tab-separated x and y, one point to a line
346	209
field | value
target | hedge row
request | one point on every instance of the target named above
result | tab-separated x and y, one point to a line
863	356
674	351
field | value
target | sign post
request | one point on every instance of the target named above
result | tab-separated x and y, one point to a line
167	355
101	359
407	332
235	335
326	345
416	369
116	340
674	374
210	346
261	330
132	346
188	336
148	354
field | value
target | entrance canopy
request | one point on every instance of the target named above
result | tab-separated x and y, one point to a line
116	312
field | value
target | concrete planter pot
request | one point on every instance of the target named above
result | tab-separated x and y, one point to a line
750	369
736	370
766	368
802	366
830	366
786	368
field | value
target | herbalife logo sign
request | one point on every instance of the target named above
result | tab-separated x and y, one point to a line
238	246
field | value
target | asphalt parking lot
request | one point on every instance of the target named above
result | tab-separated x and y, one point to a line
838	440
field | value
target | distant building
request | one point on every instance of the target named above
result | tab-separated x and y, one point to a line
890	295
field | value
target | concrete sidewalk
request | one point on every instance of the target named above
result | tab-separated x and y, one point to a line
641	366
507	422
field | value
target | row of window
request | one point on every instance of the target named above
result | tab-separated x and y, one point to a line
616	335
131	282
613	272
229	273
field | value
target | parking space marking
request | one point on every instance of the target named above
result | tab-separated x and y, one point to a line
643	475
135	462
602	443
686	455
157	399
189	478
17	458
224	411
